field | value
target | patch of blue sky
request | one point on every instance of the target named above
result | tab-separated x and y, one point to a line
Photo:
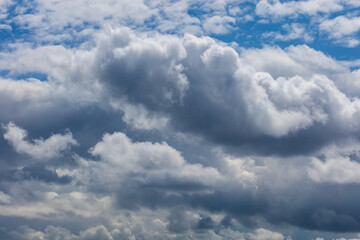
24	76
252	34
18	32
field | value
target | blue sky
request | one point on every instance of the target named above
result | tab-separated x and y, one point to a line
222	119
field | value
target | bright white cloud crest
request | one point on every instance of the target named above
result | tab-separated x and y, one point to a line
38	148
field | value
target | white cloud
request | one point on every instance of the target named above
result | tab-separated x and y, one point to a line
37	148
264	234
293	31
152	162
341	27
278	9
336	170
218	24
63	205
138	117
137	228
95	233
4	198
338	164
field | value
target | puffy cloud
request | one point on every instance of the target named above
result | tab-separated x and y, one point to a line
99	232
38	148
338	170
218	24
341	27
146	172
103	233
279	9
264	234
129	66
199	70
336	163
4	198
151	177
242	126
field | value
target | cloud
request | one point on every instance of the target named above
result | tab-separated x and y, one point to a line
4	6
178	135
336	164
154	168
37	148
338	170
198	70
151	177
264	234
293	31
279	9
341	27
218	24
215	77
99	232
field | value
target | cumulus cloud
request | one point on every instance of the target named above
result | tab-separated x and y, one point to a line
37	148
129	67
341	27
264	234
279	9
216	77
101	232
338	170
181	136
218	24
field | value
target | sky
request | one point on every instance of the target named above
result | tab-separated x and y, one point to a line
179	119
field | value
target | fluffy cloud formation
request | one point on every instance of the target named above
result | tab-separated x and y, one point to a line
179	120
38	148
217	78
342	27
277	8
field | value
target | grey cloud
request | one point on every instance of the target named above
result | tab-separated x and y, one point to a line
180	220
155	176
99	232
209	89
103	233
205	223
35	172
260	103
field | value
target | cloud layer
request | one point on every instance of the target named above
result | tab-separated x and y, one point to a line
179	120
